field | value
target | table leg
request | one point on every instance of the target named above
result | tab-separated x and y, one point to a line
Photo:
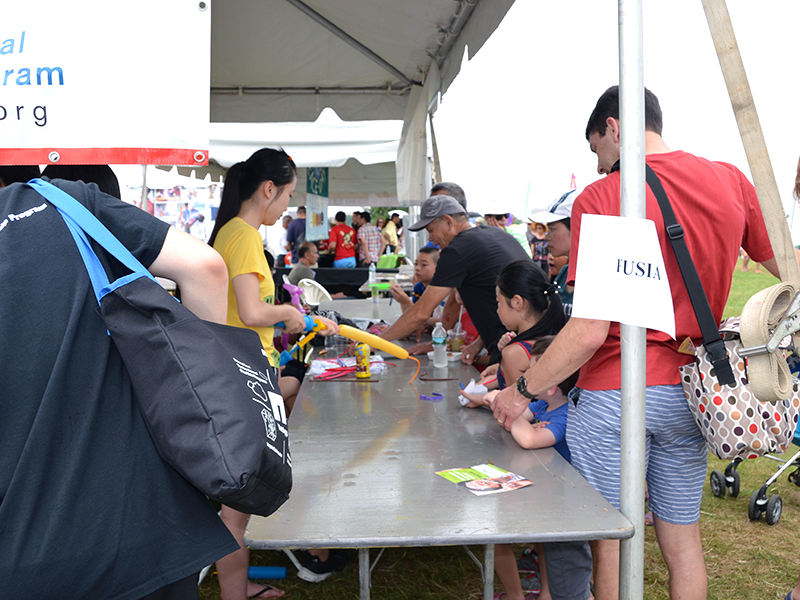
364	577
488	572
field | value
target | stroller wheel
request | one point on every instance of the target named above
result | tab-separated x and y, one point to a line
774	507
753	509
733	488
717	481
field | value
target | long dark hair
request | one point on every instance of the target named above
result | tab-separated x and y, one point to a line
102	175
244	178
526	279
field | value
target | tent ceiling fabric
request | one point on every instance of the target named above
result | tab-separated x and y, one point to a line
360	154
327	142
268	57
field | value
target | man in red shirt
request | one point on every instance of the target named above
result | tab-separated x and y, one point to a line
342	243
719	212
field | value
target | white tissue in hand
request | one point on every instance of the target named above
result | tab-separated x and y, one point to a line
472	388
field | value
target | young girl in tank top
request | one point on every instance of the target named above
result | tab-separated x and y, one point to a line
529	307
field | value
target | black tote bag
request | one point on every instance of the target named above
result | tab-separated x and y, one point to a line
207	392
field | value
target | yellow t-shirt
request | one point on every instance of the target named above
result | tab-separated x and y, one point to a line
242	249
390	230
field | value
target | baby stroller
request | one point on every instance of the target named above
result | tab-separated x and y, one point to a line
759	503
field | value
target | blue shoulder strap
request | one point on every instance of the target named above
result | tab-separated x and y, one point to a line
81	222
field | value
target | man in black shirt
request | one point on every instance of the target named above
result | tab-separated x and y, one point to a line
471	259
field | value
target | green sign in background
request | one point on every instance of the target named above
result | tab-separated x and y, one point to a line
317	181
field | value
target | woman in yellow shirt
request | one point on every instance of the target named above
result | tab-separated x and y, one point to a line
256	192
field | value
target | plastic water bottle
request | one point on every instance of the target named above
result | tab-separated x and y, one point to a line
373	290
439	347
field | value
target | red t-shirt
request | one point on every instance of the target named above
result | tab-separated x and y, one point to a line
718	209
344	237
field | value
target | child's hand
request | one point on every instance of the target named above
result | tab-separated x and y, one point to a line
489	372
488	399
398	293
540	424
402	298
475	400
505	340
331	327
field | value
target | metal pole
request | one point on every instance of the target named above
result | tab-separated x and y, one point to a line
364	575
633	339
488	572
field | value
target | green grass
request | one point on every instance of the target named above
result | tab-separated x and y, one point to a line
745	560
744	285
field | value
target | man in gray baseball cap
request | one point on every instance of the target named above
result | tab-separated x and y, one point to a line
437	206
470	259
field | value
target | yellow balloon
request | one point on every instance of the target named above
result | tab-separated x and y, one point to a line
372	340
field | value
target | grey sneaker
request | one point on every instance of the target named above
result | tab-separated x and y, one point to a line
528	562
531	584
313	570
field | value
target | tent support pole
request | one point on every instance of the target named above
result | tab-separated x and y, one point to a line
633	339
437	166
755	147
143	202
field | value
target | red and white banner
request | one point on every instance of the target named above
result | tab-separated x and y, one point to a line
99	82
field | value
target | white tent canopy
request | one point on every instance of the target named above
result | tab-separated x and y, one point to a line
286	60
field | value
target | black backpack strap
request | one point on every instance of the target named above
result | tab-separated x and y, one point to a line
705	318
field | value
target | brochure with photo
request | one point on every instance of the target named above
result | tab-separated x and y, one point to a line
485	479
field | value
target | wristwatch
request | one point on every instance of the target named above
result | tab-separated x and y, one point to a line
522	387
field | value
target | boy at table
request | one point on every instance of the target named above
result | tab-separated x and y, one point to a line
542	425
424	268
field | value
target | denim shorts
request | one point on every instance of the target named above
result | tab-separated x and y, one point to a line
676	455
569	570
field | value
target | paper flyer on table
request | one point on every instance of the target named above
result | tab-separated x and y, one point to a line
485	479
620	274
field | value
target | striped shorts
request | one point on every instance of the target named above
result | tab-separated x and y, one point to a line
675	453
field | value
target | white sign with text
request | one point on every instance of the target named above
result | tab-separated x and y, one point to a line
620	275
94	82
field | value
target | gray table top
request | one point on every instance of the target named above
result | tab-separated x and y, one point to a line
365	458
365	308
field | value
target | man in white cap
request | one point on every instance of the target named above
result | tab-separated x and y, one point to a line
559	235
470	260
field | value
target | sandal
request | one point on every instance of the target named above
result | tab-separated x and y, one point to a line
267	588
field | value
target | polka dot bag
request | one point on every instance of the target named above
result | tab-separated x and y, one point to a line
733	421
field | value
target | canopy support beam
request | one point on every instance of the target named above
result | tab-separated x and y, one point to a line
335	30
306	91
